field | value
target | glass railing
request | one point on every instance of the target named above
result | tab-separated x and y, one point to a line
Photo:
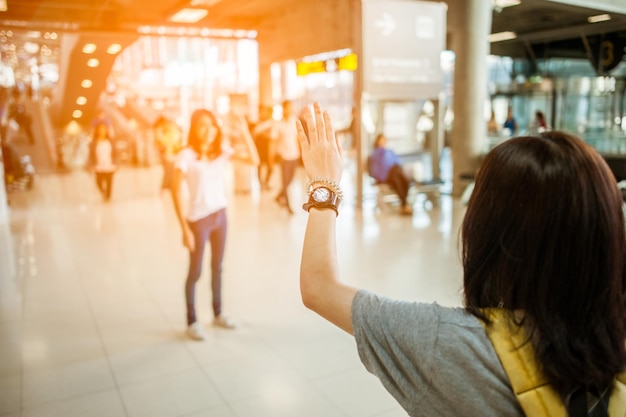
607	142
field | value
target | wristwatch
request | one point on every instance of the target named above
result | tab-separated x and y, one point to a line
322	198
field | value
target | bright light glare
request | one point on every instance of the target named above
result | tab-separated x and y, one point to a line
501	36
89	48
505	3
189	15
114	48
598	18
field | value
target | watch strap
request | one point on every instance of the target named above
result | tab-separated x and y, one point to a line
325	205
332	203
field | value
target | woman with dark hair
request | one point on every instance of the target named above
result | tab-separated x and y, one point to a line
543	329
201	210
539	123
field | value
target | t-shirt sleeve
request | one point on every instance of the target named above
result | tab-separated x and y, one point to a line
390	335
434	360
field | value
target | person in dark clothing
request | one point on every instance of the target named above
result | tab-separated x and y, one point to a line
510	123
25	122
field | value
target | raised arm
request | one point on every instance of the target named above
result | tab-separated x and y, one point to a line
247	152
320	287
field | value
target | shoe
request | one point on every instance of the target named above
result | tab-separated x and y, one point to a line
408	210
224	322
196	331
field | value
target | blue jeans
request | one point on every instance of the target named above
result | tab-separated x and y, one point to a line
211	228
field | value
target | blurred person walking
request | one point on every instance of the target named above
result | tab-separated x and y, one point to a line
25	121
539	124
265	137
289	152
200	200
510	124
493	128
103	159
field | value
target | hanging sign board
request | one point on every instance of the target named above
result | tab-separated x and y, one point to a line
344	63
402	45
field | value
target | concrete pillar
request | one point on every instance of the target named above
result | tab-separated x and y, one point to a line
4	205
469	23
11	294
360	144
436	139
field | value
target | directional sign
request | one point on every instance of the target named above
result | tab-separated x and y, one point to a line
402	45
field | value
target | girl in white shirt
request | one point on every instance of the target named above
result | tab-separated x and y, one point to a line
200	170
102	156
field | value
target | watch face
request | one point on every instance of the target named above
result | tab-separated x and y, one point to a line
321	194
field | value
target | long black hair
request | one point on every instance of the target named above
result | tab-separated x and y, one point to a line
544	233
195	142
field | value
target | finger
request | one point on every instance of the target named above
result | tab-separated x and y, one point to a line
310	125
319	121
302	137
328	127
330	132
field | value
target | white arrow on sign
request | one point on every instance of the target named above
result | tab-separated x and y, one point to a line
386	24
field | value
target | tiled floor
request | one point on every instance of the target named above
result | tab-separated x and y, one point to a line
92	313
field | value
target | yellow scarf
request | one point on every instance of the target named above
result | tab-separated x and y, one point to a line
534	393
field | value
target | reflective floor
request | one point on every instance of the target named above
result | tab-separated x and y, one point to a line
92	313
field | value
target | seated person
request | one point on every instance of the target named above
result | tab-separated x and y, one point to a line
385	167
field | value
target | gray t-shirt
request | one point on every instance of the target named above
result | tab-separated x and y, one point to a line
434	360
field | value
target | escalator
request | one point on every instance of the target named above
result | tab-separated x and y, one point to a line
40	144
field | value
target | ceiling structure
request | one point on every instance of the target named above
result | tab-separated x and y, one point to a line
544	28
30	29
551	29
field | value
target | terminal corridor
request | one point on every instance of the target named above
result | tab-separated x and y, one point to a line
92	313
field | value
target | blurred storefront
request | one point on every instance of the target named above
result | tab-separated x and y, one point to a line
172	76
572	97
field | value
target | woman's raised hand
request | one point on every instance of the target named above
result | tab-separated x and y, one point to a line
321	151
